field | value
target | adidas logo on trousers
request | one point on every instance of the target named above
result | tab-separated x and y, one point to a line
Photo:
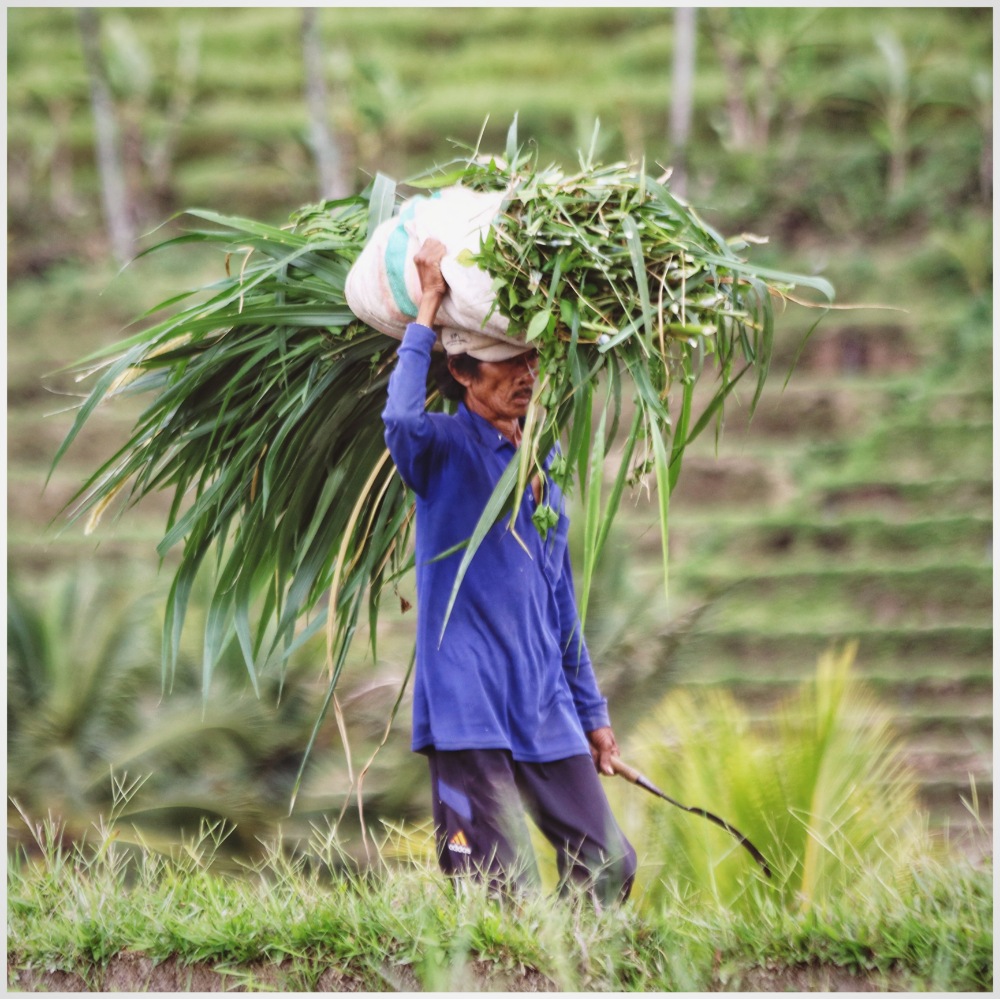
459	844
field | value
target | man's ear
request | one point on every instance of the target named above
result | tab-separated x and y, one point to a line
463	378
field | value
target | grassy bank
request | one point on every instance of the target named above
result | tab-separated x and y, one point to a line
103	917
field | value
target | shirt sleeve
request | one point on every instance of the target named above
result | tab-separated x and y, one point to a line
409	431
591	707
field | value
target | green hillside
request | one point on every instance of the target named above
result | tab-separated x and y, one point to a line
856	505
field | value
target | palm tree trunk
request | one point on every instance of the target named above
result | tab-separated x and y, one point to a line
114	194
682	96
324	145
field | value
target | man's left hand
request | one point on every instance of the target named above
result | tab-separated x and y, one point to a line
602	747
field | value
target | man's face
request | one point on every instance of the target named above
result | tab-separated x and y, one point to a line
501	390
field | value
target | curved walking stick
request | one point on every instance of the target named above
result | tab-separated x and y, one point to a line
634	777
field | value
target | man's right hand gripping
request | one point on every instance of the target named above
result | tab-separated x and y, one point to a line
433	286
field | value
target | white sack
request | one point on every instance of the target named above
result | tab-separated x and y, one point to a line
383	289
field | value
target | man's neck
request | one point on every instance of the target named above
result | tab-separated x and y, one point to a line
509	427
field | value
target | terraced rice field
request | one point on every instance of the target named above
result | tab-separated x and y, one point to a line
872	525
857	506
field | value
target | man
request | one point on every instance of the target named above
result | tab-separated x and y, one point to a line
506	705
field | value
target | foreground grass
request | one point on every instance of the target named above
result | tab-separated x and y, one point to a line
79	909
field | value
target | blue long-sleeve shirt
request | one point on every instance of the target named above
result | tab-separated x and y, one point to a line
511	670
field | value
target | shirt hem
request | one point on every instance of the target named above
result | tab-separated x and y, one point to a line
539	756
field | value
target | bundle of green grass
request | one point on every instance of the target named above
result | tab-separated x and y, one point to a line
266	391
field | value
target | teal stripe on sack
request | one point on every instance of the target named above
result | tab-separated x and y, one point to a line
395	259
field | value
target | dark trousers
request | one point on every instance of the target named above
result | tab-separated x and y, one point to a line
479	800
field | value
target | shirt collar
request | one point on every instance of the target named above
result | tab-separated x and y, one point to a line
488	434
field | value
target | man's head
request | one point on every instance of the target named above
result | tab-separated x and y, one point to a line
497	390
493	377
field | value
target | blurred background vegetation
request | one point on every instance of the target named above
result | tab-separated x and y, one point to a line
857	506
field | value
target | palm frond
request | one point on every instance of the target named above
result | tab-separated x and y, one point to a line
263	423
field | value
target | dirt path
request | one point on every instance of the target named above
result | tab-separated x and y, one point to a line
133	972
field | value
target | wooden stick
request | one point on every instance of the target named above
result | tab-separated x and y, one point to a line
633	776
